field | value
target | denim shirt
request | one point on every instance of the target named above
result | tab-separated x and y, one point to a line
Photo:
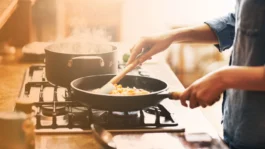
243	110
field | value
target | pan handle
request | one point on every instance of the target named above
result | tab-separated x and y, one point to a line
171	95
85	59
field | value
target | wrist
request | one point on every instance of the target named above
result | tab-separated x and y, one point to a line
170	36
223	76
177	35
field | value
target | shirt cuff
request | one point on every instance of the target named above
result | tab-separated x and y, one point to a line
224	32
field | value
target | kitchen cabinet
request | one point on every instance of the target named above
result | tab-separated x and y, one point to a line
6	10
16	21
191	61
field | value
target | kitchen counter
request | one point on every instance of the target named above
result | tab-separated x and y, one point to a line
11	75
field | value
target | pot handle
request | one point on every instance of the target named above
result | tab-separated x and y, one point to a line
84	59
171	95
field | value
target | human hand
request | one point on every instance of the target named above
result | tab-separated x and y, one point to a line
156	44
204	92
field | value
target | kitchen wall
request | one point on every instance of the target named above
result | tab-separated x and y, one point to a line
141	17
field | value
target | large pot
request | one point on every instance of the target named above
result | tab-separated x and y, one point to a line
67	61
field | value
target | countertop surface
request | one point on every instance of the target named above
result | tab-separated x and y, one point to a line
11	76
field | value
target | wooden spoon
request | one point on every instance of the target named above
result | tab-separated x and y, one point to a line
107	88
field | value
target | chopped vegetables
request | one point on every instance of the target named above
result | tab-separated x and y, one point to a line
127	91
125	57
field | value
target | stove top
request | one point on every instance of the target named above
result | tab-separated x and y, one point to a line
55	112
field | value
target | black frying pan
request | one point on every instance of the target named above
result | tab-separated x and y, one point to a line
81	91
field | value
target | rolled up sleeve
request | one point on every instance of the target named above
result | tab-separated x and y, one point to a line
224	29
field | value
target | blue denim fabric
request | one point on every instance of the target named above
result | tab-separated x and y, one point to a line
243	110
224	28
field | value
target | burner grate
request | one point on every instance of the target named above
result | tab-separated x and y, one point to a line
109	120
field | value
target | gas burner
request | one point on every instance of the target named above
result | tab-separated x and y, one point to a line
125	114
80	114
79	110
47	120
110	119
48	110
161	111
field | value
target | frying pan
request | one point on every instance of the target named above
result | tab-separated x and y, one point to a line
82	87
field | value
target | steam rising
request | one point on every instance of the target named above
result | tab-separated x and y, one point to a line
84	41
95	35
84	38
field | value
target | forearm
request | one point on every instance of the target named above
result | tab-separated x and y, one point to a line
194	34
245	78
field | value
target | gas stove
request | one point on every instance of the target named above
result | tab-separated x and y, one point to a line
54	111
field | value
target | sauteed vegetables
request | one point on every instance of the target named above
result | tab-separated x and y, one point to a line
125	91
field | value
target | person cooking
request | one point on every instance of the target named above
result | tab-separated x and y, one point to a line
243	82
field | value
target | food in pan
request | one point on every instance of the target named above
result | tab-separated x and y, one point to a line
128	91
125	91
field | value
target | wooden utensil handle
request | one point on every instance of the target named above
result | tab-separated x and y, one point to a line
127	69
175	94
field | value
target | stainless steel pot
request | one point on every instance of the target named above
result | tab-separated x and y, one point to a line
70	60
